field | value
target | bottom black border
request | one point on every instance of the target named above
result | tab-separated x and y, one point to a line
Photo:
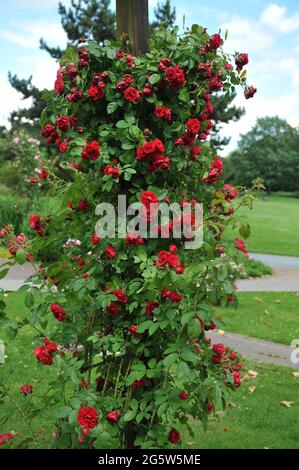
132	459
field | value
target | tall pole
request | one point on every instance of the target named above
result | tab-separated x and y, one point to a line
132	21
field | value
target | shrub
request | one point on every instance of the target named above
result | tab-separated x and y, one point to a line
132	361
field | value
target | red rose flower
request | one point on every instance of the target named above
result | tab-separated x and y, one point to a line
5	437
237	378
193	125
63	148
147	198
113	416
132	95
241	61
250	92
163	113
150	307
63	123
95	239
230	192
58	312
215	172
91	151
134	240
43	355
112	170
214	42
26	389
175	77
96	93
88	417
110	251
138	383
121	296
133	330
113	309
219	349
174	436
210	406
52	347
184	395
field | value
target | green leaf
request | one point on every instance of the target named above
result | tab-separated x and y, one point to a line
3	273
21	257
29	300
244	230
129	415
62	411
155	78
112	107
171	359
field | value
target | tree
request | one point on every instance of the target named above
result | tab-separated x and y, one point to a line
165	15
130	362
91	19
224	111
269	151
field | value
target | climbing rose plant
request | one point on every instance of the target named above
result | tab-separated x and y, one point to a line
122	323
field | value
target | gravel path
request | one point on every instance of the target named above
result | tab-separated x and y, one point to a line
257	349
285	276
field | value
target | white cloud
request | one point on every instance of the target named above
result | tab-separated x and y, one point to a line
28	33
275	17
10	100
246	35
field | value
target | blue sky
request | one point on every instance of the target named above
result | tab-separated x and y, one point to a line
267	30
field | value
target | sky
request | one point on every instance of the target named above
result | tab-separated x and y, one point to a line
267	30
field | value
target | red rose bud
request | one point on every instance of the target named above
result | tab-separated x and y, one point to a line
95	239
174	436
26	389
113	416
184	395
133	330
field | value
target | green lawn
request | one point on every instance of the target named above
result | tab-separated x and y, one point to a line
274	225
21	367
267	315
256	420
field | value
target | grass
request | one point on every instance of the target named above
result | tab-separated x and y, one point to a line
256	420
254	268
267	315
21	367
274	225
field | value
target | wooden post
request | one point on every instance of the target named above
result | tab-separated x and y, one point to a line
132	21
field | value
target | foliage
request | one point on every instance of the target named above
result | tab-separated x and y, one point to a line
127	349
269	151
